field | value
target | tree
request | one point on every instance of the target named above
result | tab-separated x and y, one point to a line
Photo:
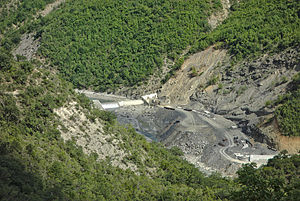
194	71
278	180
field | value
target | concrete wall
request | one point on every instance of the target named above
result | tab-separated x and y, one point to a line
98	104
113	105
131	102
260	158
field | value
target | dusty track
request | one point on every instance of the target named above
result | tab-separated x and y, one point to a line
219	128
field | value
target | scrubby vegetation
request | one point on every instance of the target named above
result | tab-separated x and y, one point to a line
288	112
256	27
107	44
278	180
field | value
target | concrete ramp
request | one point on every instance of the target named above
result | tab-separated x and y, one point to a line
111	105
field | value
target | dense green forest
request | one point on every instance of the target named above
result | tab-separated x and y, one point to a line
93	50
288	109
278	180
256	27
106	44
16	12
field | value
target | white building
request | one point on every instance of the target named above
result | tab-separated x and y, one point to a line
148	98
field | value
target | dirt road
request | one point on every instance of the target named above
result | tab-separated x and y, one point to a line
221	130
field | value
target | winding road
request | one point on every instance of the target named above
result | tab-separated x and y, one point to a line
218	126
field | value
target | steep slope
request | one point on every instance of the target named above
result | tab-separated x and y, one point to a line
243	93
55	146
183	84
251	64
123	50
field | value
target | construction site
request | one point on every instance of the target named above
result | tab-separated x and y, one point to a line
209	141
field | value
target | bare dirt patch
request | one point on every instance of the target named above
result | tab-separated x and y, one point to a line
291	144
217	18
49	8
179	88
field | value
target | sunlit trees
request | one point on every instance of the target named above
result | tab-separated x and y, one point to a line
94	50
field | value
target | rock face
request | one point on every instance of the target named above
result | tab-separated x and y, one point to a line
240	92
28	46
243	91
258	135
91	137
179	88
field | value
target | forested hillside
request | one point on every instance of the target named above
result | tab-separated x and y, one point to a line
256	27
128	46
37	164
107	44
16	12
288	109
15	17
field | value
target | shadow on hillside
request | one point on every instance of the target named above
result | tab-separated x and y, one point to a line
17	183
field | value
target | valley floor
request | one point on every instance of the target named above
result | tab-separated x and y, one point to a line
209	141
